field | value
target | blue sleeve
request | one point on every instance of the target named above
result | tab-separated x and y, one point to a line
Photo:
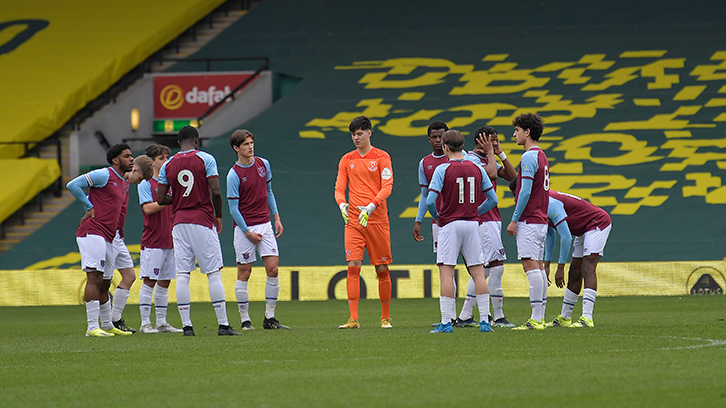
422	204
524	193
550	244
565	241
474	158
437	180
556	211
431	204
488	188
236	215
209	163
424	192
96	179
162	173
271	199
144	190
233	199
270	195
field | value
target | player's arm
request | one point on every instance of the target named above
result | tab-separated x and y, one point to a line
97	178
431	204
271	201
341	184
484	145
146	201
162	191
487	187
507	171
421	213
216	201
437	183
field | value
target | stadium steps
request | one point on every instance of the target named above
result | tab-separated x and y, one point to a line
44	207
39	211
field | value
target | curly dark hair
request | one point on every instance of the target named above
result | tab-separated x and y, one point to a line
530	121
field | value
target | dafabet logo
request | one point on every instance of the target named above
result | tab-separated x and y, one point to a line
190	96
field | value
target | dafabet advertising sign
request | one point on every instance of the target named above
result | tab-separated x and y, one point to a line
191	95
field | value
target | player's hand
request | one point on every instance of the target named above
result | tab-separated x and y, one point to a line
218	224
253	237
278	228
512	229
365	212
417	231
483	143
494	139
344	211
560	276
89	214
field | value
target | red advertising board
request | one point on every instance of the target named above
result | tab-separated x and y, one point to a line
190	95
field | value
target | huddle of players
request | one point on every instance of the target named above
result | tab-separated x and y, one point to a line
181	201
458	193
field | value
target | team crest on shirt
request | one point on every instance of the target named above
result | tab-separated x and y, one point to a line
262	171
372	165
156	271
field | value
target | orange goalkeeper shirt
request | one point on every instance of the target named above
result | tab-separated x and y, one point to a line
369	179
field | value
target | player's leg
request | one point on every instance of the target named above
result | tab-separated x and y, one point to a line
245	254
185	263
594	241
269	252
272	291
466	316
530	250
354	249
208	252
146	293
161	293
93	258
124	263
471	251
446	258
378	242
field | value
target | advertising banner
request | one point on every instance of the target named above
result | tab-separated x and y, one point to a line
191	95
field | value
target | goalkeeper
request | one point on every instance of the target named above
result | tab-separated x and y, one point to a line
366	173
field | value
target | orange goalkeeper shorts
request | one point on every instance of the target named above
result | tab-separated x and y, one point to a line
375	237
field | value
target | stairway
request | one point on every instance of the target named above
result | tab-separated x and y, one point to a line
44	207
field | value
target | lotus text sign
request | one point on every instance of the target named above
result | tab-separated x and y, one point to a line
190	95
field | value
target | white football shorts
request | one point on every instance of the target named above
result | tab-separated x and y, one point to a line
592	242
120	256
95	254
194	242
245	249
459	236
158	264
531	240
492	248
435	235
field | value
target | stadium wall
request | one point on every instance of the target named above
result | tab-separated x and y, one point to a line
65	287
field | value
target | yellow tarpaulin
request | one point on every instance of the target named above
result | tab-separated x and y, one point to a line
56	56
23	179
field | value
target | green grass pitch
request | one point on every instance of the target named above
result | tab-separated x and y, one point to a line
643	352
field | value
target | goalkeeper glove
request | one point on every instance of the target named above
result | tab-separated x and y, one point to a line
344	211
364	213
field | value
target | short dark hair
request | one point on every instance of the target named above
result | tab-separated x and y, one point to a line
437	124
360	123
115	150
530	121
484	130
188	133
154	150
239	136
454	139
